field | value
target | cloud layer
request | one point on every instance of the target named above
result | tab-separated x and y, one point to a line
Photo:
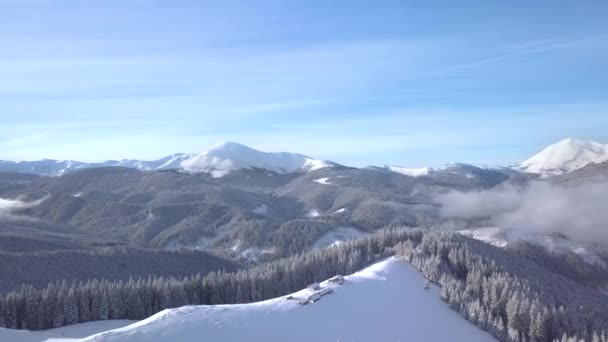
9	206
579	212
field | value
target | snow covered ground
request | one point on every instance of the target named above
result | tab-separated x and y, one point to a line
385	302
323	180
556	243
64	334
424	171
312	213
340	211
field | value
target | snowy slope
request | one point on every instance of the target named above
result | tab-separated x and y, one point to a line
324	181
64	334
50	167
565	156
424	171
172	161
231	156
449	168
385	302
502	237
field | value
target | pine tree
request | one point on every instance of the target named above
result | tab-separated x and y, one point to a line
70	310
58	317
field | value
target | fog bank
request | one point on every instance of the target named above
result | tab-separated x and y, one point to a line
579	212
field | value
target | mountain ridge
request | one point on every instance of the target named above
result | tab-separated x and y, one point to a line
562	157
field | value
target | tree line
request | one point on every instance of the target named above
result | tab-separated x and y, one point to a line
500	290
506	293
63	303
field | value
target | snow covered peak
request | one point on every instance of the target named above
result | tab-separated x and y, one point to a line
230	147
454	168
565	156
231	156
424	171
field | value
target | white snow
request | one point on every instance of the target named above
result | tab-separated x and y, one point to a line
339	211
262	209
315	164
565	156
63	334
174	161
230	156
425	171
502	237
323	180
313	213
336	236
384	302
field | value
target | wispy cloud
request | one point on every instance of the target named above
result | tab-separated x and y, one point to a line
23	139
400	84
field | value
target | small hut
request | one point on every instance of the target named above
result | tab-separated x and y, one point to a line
314	286
337	279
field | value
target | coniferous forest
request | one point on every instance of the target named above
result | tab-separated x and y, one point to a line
502	291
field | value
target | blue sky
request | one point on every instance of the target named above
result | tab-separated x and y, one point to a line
358	82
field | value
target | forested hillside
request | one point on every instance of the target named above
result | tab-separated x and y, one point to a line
499	290
38	269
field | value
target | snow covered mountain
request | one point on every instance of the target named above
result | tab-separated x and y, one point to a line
231	156
50	167
394	306
562	157
419	172
565	156
218	161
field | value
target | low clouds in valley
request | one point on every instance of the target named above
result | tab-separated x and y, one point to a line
8	207
579	212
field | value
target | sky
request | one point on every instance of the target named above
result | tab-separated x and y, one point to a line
411	83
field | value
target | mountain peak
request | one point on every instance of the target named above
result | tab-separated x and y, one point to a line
565	156
230	156
230	146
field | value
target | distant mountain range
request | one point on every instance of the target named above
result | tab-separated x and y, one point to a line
217	161
562	157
